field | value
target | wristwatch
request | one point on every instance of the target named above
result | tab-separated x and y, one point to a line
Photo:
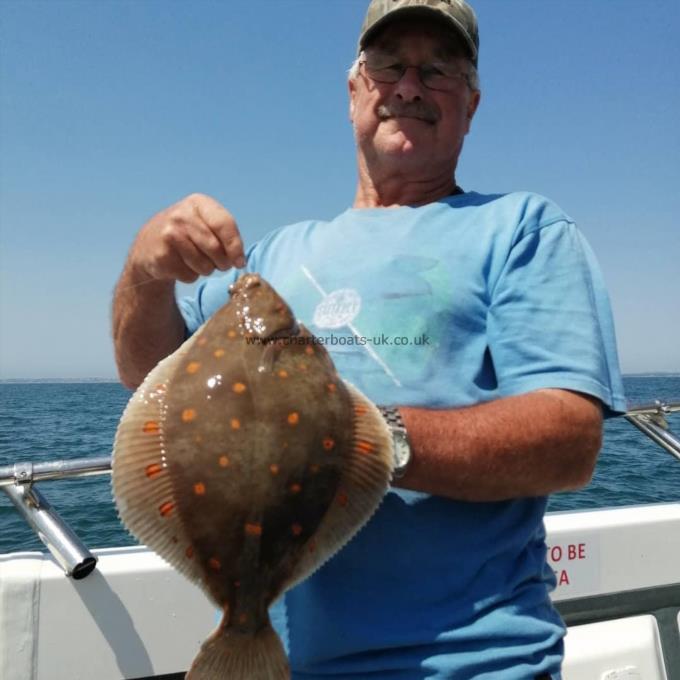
401	447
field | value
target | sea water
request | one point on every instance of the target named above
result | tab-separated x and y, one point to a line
51	421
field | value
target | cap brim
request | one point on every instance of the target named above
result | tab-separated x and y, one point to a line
423	11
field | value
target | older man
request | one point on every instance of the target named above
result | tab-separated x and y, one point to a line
496	397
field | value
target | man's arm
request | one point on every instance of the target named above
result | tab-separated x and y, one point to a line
527	445
147	325
191	238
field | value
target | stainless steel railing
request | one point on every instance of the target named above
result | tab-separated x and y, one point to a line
651	420
28	473
18	482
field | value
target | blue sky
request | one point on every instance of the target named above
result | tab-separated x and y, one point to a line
110	111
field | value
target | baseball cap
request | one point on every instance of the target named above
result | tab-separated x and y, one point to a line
459	15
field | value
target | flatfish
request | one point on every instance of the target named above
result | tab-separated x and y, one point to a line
246	462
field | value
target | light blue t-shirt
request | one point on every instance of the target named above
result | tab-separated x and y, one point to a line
458	302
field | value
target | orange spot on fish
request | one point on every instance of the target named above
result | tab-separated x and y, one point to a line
231	333
160	387
223	461
189	552
201	341
153	470
199	489
274	469
293	418
198	439
364	447
360	410
295	488
328	443
188	415
166	508
214	564
309	350
302	367
253	529
239	387
296	529
218	353
283	373
235	423
342	498
192	367
314	469
151	427
331	387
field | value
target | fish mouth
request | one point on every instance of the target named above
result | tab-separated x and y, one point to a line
261	311
244	283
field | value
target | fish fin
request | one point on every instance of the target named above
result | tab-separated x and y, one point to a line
363	484
228	653
141	485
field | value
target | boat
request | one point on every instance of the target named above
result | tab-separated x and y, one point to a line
71	613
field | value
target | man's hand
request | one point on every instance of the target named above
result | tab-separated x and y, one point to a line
189	239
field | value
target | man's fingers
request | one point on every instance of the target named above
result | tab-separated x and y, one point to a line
186	275
191	238
234	247
171	265
223	225
207	243
194	258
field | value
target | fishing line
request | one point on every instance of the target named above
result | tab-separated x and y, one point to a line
144	283
137	285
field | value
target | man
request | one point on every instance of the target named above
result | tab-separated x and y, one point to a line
508	364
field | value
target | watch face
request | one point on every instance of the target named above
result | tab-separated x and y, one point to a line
402	453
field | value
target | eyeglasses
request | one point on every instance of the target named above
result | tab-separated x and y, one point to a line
436	75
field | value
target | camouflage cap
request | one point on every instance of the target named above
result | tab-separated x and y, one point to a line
457	13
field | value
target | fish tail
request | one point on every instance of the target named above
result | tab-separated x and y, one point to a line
228	653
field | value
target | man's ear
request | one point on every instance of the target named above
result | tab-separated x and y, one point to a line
472	108
352	88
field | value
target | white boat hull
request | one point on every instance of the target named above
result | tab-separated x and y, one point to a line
618	572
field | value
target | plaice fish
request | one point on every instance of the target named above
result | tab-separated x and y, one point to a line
246	462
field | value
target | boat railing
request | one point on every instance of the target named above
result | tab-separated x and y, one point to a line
651	420
18	481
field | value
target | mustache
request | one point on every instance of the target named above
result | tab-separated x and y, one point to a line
419	110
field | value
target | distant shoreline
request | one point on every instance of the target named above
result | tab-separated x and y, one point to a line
12	381
45	381
654	374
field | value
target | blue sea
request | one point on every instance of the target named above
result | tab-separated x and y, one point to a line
50	421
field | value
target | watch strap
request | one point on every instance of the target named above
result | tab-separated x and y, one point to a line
392	417
402	449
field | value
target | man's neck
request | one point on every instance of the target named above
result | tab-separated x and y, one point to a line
375	191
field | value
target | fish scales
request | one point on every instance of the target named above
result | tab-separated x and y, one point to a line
259	463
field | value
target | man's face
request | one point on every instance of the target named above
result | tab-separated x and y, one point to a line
405	126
